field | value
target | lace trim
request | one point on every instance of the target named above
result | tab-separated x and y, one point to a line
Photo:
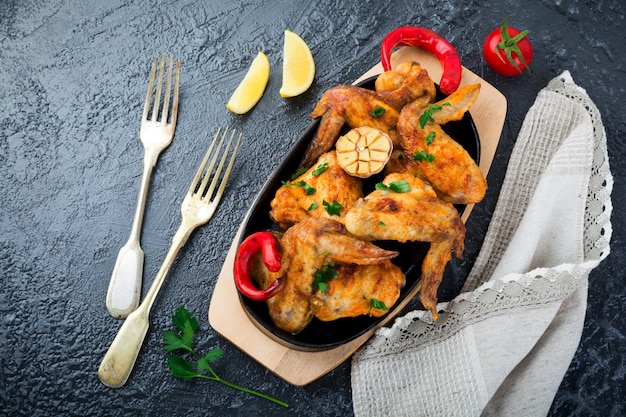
417	330
481	300
598	229
523	175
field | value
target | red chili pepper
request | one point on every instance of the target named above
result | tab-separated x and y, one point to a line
270	249
431	42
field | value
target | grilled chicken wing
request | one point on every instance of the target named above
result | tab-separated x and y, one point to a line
435	156
360	290
303	197
307	247
355	106
415	215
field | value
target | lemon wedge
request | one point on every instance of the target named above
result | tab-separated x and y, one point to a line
298	66
363	151
251	89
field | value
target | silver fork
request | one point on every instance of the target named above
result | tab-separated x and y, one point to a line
197	208
156	134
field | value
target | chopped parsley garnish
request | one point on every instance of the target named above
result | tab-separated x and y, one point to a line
313	206
320	169
377	304
423	156
332	209
323	275
381	224
430	138
377	112
401	186
297	174
308	190
427	116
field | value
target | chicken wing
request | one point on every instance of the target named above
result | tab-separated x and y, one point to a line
356	106
307	247
413	214
360	290
325	182
435	156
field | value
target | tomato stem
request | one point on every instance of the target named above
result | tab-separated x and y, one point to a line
509	45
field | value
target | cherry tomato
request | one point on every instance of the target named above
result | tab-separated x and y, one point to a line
507	50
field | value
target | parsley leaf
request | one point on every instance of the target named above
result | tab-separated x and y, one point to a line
323	275
297	173
401	186
423	156
427	116
308	190
180	368
377	112
430	138
320	169
184	321
313	206
378	305
332	209
185	369
174	341
212	356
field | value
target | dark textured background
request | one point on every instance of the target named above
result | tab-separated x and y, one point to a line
72	82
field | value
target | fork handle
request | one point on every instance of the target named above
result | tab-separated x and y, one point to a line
119	360
149	162
125	284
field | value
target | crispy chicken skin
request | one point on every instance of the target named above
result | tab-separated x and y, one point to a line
353	291
416	215
307	246
348	104
331	183
453	173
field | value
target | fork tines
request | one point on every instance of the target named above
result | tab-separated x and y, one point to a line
166	96
213	153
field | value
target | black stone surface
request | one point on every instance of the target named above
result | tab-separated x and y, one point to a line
72	81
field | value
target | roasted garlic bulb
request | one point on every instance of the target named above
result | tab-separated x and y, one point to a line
363	151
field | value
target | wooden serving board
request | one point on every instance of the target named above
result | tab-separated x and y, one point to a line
227	316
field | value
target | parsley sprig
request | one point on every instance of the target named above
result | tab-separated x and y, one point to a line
308	190
376	304
400	186
297	173
423	156
323	276
320	169
333	209
184	369
427	116
377	112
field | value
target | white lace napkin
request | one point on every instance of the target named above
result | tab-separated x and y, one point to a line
502	346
